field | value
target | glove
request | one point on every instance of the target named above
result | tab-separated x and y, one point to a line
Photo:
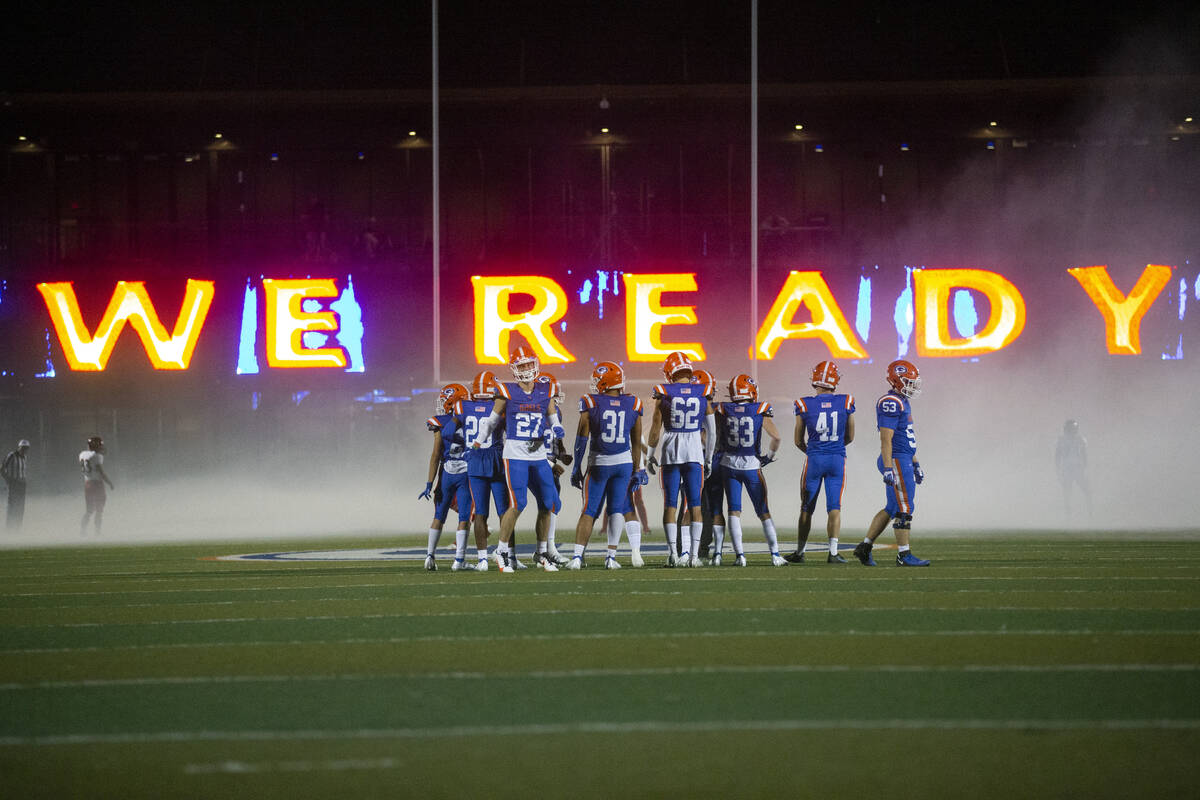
577	479
889	476
765	459
707	471
918	473
640	478
557	432
652	464
428	491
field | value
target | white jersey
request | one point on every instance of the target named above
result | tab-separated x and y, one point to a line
682	447
89	465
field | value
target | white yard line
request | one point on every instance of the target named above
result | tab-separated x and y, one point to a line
595	636
648	726
630	672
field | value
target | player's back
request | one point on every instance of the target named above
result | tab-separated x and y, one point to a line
610	422
684	406
740	432
89	463
825	418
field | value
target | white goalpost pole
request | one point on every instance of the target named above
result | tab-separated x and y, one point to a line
436	201
753	188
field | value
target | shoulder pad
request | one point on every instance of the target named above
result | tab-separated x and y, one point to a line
637	404
586	402
893	397
849	402
801	407
660	390
765	409
502	389
434	424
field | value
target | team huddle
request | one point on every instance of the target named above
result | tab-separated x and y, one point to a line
498	442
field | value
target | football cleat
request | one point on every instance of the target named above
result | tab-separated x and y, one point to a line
612	563
795	557
907	559
684	560
740	561
458	564
672	559
503	563
716	560
697	562
835	558
558	558
862	552
635	559
429	564
576	562
482	566
543	561
778	560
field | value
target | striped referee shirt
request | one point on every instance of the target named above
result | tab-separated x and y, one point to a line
14	467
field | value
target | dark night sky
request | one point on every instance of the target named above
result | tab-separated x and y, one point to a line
343	45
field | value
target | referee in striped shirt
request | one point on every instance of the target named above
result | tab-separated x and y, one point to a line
13	472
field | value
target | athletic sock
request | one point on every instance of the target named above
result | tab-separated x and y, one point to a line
633	530
672	537
697	532
735	533
579	548
434	535
833	546
904	548
769	532
460	543
867	540
550	532
718	540
615	523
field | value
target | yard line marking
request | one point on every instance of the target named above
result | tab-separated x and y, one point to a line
593	636
573	674
581	611
648	726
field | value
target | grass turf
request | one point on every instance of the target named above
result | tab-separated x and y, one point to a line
1036	667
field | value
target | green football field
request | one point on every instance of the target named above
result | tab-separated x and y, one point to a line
1016	666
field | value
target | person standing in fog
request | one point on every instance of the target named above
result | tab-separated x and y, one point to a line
1070	462
14	474
91	463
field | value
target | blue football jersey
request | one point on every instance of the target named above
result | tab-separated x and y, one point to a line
453	444
740	426
469	416
525	413
825	419
893	411
684	406
610	421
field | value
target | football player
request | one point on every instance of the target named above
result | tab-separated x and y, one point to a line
897	463
559	460
683	418
447	466
91	463
485	468
742	422
610	421
531	422
712	494
824	426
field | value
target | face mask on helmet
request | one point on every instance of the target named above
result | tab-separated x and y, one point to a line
524	365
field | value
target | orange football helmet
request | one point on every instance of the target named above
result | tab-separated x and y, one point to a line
450	394
607	375
483	386
705	377
556	390
676	363
743	388
904	377
524	364
825	375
